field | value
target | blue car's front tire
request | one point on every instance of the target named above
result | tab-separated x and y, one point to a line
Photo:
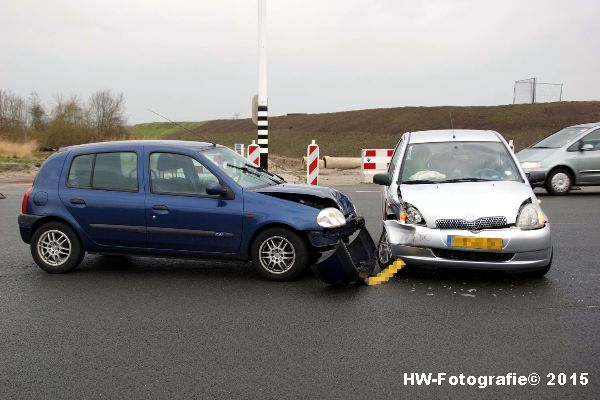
279	254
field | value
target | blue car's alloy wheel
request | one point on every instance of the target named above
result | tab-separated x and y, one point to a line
279	254
56	248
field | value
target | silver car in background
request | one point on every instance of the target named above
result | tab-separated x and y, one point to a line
567	158
458	198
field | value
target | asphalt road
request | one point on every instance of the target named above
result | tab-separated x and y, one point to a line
161	328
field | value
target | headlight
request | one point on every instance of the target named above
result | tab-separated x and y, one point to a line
410	214
531	216
331	218
531	164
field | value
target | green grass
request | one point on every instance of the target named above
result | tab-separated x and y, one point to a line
158	130
21	160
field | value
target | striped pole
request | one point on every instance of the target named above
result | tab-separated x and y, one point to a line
263	136
312	164
262	120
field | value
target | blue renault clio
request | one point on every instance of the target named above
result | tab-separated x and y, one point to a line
177	198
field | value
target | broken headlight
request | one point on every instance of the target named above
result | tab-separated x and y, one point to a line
410	214
331	218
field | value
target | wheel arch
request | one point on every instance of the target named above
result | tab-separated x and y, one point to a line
562	166
53	218
270	225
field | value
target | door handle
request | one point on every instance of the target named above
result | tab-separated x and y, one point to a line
160	209
79	202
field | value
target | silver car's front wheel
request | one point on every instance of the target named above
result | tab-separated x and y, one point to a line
384	250
559	182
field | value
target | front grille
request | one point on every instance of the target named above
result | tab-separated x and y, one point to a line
460	255
476	225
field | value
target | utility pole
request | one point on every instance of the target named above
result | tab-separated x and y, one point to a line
533	91
262	115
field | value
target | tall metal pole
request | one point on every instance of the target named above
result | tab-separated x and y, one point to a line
533	91
263	121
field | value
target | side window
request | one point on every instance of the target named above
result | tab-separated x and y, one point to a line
178	174
115	171
593	139
80	173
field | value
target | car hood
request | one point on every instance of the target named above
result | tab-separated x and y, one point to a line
467	200
533	154
291	191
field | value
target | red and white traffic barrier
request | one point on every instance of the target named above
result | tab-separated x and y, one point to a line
312	166
375	161
254	153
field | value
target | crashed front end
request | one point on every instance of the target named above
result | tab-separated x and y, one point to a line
347	249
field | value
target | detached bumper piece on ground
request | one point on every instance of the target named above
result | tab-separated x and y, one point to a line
348	263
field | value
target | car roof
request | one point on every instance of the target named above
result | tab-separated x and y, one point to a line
449	135
588	125
188	144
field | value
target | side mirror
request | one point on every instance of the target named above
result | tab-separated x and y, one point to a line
382	179
215	189
536	177
586	147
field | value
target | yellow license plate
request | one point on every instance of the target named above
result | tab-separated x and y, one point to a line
474	242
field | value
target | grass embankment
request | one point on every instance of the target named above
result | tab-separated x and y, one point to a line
345	133
158	130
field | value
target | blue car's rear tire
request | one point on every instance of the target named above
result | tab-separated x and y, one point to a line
279	254
56	248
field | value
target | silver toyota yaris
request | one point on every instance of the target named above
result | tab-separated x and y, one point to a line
458	198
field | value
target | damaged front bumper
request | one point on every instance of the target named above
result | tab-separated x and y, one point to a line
522	250
346	263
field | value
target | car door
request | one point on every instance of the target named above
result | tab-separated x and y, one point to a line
102	192
179	213
588	160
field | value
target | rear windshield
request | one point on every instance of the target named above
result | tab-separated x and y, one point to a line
446	162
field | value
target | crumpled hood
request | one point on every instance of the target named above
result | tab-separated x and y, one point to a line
467	200
532	154
323	192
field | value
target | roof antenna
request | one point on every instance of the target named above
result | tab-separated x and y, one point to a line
452	125
178	124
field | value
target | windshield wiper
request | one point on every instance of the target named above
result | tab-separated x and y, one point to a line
270	175
419	181
543	147
245	169
466	180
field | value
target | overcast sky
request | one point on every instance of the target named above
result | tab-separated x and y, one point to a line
197	60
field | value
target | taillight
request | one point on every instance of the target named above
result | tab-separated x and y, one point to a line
25	201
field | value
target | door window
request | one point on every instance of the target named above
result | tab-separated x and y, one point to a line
178	174
115	171
80	173
109	171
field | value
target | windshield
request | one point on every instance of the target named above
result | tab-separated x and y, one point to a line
559	139
447	162
239	169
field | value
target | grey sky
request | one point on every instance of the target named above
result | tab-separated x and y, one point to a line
197	60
